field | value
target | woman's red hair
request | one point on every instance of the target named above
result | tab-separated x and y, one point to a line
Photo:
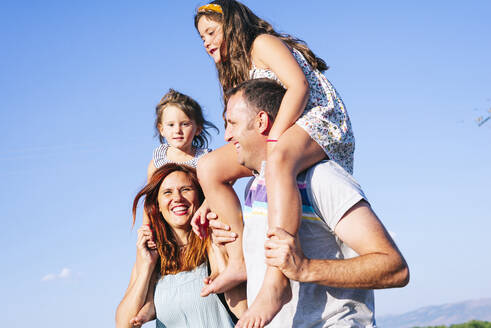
171	259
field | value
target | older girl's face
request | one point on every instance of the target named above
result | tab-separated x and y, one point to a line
178	200
211	33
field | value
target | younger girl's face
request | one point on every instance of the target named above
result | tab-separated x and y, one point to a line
177	128
211	33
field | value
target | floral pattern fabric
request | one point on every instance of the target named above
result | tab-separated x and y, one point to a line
325	118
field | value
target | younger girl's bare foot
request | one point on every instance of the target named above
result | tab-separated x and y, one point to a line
146	313
274	293
233	275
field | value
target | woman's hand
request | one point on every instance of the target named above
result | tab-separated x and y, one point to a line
144	254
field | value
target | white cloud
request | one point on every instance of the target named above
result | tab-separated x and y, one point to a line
64	274
48	277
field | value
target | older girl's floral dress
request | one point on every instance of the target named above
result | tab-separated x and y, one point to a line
325	118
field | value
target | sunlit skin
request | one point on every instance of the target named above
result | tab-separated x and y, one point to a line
212	35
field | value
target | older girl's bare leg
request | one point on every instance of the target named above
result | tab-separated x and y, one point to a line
294	152
215	171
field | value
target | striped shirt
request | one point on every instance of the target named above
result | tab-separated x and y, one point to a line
160	156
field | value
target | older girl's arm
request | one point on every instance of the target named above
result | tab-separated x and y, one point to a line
269	52
147	312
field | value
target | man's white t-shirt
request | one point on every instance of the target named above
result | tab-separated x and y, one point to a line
327	191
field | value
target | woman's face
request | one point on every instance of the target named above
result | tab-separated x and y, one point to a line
211	33
178	200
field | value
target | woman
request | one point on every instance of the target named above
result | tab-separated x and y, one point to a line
178	267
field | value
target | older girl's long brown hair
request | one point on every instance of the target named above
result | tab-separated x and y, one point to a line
171	259
240	28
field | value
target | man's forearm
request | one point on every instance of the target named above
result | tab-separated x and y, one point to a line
369	271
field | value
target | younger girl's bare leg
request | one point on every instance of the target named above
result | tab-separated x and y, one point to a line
215	171
294	152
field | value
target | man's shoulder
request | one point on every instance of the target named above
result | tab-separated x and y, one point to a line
331	190
327	171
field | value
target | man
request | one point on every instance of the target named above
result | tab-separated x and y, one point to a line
345	250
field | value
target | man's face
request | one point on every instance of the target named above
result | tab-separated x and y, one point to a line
241	133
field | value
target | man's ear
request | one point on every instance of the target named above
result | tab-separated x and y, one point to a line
263	123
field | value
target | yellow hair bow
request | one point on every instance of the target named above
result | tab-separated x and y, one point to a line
211	7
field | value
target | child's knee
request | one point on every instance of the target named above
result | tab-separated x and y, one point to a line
208	169
279	160
204	167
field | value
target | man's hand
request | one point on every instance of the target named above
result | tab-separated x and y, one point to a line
220	232
283	251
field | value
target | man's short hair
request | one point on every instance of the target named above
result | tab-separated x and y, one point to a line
261	94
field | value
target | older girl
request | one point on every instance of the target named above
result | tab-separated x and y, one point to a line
312	125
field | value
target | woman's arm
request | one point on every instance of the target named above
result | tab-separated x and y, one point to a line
141	274
269	52
147	312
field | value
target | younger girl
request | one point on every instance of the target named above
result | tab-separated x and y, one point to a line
182	130
312	125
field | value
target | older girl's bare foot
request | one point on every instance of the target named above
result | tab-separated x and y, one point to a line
274	293
233	275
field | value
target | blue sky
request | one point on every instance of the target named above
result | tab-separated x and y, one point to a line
78	86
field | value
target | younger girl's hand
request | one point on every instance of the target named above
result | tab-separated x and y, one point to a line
199	222
151	243
149	256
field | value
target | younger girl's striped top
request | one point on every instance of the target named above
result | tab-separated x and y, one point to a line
160	156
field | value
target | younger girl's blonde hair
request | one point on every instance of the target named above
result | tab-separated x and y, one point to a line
192	109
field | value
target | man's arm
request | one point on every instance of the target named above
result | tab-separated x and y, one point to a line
379	264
